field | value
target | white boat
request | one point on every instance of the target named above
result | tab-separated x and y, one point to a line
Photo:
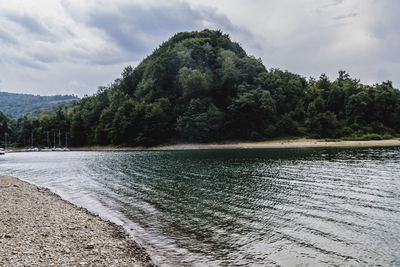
59	149
33	149
3	151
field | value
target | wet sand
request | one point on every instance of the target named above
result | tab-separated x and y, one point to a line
38	228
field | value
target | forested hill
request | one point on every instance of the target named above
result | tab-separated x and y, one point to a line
18	105
202	87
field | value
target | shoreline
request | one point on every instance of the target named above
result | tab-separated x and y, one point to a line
290	143
38	227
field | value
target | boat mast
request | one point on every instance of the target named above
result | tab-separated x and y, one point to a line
59	138
48	140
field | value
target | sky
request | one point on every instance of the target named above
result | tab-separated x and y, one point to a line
50	47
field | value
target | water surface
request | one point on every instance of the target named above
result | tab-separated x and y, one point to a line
237	207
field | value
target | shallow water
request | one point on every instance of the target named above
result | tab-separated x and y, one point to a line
237	207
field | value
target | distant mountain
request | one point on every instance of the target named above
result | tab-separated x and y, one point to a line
18	105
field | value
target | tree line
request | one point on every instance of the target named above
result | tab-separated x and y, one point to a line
202	87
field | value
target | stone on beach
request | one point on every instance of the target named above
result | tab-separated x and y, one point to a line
38	228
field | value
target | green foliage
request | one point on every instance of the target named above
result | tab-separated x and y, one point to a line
201	122
5	128
252	115
367	137
202	87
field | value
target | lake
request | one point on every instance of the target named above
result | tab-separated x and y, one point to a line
251	207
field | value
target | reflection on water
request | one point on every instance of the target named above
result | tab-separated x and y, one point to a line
242	207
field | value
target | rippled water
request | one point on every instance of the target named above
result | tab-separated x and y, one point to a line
237	207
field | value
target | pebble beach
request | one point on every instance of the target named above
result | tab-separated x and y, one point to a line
38	228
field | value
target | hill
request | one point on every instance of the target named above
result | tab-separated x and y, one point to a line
18	105
194	87
203	87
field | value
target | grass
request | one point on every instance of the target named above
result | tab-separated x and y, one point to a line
364	137
367	137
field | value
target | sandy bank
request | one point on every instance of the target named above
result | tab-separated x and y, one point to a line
38	228
295	143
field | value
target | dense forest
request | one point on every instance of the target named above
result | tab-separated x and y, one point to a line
17	105
202	87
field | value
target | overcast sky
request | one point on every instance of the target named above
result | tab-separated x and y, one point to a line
72	47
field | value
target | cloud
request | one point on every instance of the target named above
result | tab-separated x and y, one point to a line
350	15
336	2
29	63
45	56
136	29
385	20
28	22
7	38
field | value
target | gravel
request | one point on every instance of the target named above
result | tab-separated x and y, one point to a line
38	228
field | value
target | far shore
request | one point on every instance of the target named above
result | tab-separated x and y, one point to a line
284	143
290	143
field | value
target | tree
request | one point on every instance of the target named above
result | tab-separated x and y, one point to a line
201	122
77	138
253	115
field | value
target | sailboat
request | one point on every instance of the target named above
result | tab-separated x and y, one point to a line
4	150
32	149
59	149
66	143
